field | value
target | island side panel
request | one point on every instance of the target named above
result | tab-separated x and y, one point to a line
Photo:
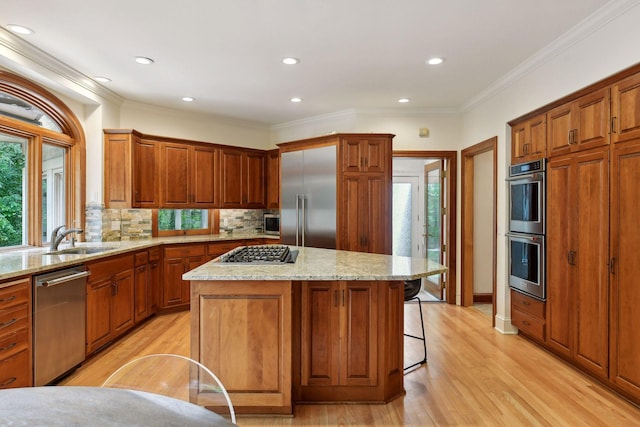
241	330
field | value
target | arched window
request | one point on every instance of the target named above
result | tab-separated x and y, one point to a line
41	164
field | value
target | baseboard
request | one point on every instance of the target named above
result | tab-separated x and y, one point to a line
484	298
504	326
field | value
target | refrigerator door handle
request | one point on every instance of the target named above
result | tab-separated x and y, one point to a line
297	219
304	219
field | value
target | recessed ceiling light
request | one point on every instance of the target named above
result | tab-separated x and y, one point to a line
143	60
102	79
19	29
403	100
435	61
290	61
296	99
188	99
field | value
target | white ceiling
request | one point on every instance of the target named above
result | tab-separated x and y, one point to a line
355	54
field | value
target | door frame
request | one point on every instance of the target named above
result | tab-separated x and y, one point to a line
451	159
467	177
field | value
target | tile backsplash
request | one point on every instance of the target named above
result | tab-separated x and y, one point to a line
109	225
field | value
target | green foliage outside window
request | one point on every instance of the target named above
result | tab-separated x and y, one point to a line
182	219
12	163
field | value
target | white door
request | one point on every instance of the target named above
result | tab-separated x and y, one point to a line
407	222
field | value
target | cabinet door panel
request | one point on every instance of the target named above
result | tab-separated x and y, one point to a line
172	283
560	306
593	126
145	174
142	294
204	176
175	172
358	352
98	314
350	238
625	247
273	179
518	142
351	156
319	353
375	155
625	109
377	228
592	251
538	137
231	170
255	174
559	124
122	309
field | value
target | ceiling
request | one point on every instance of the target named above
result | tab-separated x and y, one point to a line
354	54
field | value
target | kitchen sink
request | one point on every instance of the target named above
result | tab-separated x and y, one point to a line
80	250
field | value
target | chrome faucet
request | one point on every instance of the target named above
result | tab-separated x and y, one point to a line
58	235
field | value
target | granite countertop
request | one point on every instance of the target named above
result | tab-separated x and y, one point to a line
16	263
322	264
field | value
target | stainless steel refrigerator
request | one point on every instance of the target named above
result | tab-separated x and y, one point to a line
308	202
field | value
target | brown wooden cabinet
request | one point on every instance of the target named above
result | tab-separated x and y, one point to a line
189	178
580	124
15	333
273	179
243	178
131	167
624	370
528	315
364	193
155	277
177	260
342	330
577	258
529	139
142	282
625	109
110	300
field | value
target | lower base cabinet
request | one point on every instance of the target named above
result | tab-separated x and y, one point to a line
15	334
275	343
110	300
177	260
528	315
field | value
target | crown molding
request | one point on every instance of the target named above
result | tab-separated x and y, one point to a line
580	31
27	58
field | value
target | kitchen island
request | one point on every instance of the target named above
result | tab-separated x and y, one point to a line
327	328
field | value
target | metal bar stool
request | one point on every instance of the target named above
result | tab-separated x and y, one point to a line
411	290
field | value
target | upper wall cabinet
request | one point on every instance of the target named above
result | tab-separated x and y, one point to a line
529	140
579	125
243	176
273	179
189	175
625	109
365	153
131	166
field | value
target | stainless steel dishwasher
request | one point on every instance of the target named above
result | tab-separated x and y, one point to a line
58	323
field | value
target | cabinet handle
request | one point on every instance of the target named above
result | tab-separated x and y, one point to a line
527	303
570	137
335	298
9	347
526	323
7	382
114	288
343	297
571	257
614	121
11	298
8	323
612	266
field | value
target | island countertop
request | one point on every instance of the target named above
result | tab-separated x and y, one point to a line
322	264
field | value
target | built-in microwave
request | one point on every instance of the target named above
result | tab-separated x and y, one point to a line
271	224
527	264
527	199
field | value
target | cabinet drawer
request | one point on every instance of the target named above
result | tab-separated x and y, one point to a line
183	251
14	371
527	304
17	294
530	325
14	343
13	319
103	269
154	254
141	258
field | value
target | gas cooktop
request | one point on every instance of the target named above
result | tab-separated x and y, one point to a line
260	254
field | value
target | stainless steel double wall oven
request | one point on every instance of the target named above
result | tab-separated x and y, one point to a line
527	209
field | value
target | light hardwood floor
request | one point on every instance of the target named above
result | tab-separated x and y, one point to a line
475	376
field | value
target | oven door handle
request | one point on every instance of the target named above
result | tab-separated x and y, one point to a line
530	177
